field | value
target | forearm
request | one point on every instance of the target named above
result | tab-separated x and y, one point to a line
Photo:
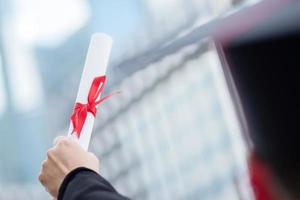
85	184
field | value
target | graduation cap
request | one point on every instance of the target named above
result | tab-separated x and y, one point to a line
265	66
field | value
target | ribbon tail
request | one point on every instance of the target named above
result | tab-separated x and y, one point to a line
106	97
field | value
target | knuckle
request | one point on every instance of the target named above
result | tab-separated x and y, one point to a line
50	153
57	139
41	178
63	142
44	163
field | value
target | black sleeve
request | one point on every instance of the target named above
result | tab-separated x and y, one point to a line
85	184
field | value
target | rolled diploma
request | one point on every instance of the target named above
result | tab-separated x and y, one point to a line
95	65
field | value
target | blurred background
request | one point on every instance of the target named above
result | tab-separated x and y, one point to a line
171	134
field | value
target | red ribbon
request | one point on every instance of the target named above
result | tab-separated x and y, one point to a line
80	110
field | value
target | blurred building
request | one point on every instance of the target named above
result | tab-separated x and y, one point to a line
171	134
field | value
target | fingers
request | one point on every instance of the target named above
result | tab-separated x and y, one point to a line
66	155
64	141
41	178
47	176
58	139
42	174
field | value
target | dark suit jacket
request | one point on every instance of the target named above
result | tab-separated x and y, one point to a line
85	184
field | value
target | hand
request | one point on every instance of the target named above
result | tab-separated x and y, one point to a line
65	156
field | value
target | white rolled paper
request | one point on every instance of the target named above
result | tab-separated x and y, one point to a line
95	65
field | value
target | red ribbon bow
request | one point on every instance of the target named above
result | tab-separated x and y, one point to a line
80	111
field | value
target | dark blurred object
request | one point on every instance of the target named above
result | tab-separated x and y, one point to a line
264	63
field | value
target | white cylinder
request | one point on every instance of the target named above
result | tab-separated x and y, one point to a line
95	65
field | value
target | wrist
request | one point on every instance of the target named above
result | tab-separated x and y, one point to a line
69	177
